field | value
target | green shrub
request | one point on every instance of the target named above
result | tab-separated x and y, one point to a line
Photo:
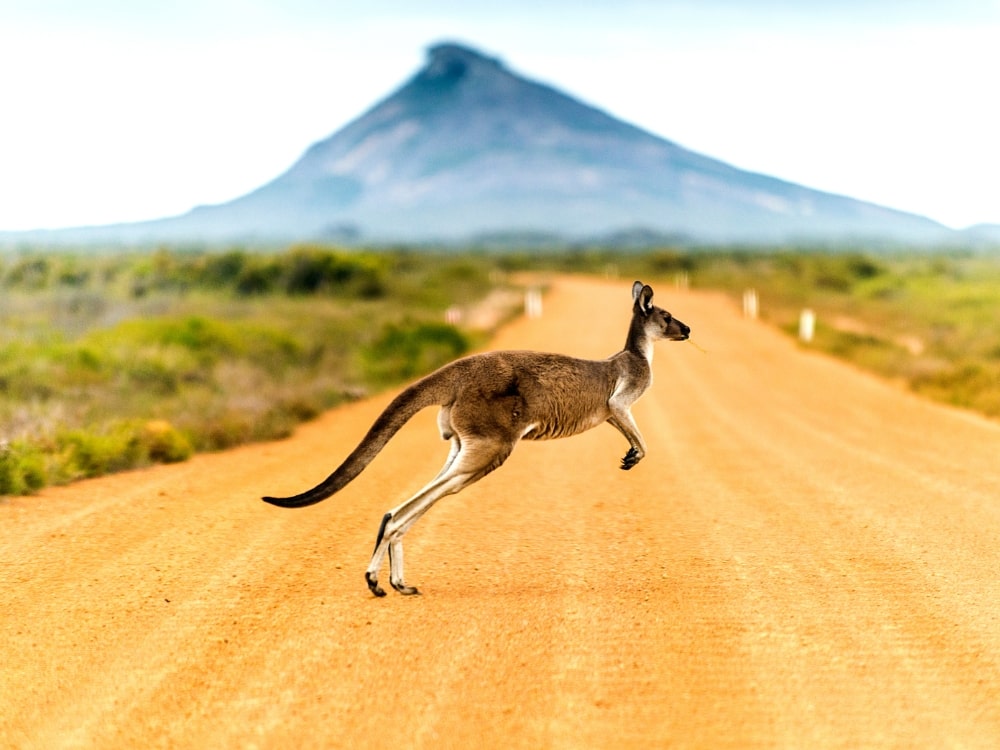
316	269
973	385
257	278
402	352
22	469
231	427
669	261
202	337
840	273
152	375
31	272
164	443
90	453
219	270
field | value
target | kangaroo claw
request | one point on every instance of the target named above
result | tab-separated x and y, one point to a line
373	585
631	459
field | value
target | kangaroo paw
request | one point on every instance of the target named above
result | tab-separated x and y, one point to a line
373	585
631	459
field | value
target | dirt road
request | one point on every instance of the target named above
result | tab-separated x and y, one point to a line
807	558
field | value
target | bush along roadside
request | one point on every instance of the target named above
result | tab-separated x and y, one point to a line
22	468
113	363
26	467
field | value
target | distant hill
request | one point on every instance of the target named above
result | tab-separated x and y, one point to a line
981	235
467	149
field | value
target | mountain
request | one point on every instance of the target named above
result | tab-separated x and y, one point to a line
981	235
466	148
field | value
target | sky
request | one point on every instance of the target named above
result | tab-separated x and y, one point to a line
126	110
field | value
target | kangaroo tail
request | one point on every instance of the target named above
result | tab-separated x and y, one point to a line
429	391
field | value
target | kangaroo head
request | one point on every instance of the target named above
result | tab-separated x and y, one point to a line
656	322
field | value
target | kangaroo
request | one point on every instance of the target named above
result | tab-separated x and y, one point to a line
489	402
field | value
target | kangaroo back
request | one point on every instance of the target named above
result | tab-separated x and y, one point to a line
435	388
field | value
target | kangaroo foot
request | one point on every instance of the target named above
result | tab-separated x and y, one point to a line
373	585
631	459
404	589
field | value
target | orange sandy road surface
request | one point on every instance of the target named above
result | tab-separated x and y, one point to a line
806	558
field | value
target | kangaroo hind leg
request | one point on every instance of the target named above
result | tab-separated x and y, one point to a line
448	433
472	460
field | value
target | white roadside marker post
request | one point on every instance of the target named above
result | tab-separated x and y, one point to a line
807	325
533	303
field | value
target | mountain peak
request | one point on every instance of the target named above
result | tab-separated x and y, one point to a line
449	58
455	66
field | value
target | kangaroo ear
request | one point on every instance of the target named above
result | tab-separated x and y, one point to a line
642	295
636	290
645	298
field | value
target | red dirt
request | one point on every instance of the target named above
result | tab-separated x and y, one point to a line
807	557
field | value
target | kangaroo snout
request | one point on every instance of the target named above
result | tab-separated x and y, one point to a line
678	331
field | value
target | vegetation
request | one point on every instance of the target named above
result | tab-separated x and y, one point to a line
924	320
108	362
113	362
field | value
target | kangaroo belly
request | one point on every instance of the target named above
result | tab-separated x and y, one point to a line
550	429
